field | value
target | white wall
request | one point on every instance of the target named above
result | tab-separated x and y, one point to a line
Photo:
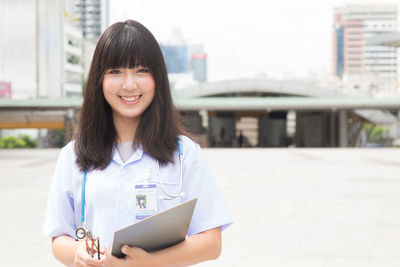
18	46
50	48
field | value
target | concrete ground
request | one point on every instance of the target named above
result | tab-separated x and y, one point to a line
292	207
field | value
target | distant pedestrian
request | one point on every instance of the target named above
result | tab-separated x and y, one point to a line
240	139
222	136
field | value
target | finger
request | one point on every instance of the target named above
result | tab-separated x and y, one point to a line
107	252
107	249
92	261
89	261
127	250
131	251
82	263
109	259
86	259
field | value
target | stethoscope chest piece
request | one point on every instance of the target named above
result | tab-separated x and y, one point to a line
80	233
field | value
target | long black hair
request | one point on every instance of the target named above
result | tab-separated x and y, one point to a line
126	45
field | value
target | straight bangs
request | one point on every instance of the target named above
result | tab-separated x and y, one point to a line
127	48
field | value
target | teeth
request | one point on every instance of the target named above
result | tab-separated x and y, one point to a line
133	98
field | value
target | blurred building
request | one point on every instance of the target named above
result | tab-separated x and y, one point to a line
353	60
73	60
198	63
175	53
92	15
186	65
40	49
176	58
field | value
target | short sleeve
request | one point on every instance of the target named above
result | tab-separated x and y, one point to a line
59	216
210	211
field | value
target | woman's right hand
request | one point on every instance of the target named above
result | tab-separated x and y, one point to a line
82	257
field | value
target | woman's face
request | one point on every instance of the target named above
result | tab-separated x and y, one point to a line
129	91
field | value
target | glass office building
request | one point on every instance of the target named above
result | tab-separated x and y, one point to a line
176	58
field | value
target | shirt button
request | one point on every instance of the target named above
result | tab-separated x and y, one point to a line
123	172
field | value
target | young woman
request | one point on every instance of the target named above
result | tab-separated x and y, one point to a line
129	132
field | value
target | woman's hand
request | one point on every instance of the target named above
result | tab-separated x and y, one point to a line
82	257
134	257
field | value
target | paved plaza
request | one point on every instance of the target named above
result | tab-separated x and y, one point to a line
292	207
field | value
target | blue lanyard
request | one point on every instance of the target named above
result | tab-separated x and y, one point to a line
83	198
179	147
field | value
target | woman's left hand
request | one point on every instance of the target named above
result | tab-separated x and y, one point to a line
134	257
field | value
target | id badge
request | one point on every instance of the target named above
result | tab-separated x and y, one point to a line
146	200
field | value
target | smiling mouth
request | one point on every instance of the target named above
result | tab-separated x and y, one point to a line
130	98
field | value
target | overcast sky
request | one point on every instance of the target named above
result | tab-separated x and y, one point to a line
246	38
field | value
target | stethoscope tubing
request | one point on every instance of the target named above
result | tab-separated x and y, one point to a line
180	193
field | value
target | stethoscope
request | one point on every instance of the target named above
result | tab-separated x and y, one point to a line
82	230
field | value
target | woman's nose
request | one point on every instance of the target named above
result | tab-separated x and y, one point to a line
130	82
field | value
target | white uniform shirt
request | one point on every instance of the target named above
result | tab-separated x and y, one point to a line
110	193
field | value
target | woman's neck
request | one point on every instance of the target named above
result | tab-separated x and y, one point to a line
126	128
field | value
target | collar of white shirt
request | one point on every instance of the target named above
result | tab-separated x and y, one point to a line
136	156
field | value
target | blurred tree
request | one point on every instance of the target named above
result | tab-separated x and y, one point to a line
24	141
377	135
31	143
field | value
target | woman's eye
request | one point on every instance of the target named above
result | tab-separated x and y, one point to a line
142	70
114	71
